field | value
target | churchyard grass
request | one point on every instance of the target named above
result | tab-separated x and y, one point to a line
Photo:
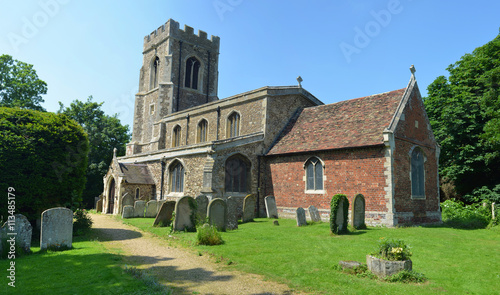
455	261
88	268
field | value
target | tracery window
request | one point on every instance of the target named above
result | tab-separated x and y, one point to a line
192	72
314	174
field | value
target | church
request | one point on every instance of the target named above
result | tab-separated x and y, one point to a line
280	141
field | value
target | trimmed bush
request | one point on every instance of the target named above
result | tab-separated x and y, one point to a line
334	206
208	235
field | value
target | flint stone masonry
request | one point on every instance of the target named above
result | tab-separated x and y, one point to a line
314	213
272	211
139	207
57	228
249	208
151	209
358	212
23	230
383	268
128	211
301	217
98	206
202	202
185	211
232	213
217	214
164	216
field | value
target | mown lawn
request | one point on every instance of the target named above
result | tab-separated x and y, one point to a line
454	261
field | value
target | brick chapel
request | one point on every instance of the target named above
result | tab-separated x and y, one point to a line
279	141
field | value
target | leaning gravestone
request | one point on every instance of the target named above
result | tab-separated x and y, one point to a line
301	217
202	202
158	206
151	209
20	229
185	214
57	228
358	214
232	213
217	214
128	211
272	211
164	216
314	213
98	206
139	207
249	208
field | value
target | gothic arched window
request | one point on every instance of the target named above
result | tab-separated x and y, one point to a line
314	174
192	72
202	130
417	174
176	177
237	174
176	136
155	68
233	125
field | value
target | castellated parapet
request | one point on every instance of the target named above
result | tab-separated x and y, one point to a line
171	29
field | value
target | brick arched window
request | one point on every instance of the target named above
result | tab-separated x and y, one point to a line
233	125
176	179
237	174
192	72
176	136
202	131
417	174
155	68
314	174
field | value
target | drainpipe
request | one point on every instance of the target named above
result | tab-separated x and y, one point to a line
179	77
218	122
162	175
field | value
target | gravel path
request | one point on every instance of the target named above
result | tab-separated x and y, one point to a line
181	270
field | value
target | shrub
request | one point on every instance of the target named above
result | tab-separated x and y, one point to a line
456	215
334	205
208	235
82	222
482	194
393	250
406	276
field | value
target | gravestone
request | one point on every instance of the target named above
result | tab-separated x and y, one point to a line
314	213
340	216
158	206
139	207
128	211
127	200
301	217
151	209
164	216
249	208
232	213
202	202
98	206
358	211
57	228
217	214
272	211
20	228
185	214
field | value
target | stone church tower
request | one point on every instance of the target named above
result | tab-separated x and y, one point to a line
179	71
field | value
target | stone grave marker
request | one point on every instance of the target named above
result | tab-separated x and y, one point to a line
249	208
164	216
128	211
20	229
185	214
358	211
301	217
57	228
314	213
158	206
98	206
139	207
272	211
151	209
127	200
232	213
340	216
202	202
217	214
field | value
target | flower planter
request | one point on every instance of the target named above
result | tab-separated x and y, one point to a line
383	268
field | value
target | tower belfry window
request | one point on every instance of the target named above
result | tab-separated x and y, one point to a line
154	73
192	72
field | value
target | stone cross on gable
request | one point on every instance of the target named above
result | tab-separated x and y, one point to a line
412	69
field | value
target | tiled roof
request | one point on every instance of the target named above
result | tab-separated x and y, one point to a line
352	123
136	173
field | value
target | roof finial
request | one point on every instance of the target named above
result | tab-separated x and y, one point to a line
114	153
412	70
299	79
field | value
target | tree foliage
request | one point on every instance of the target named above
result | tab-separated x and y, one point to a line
105	133
43	158
464	111
20	85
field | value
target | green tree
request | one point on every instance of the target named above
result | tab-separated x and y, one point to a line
464	111
105	133
43	158
19	85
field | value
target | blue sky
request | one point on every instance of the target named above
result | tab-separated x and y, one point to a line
342	49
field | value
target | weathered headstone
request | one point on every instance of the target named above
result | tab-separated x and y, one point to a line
217	214
249	208
98	206
151	209
164	216
202	203
232	213
139	207
272	211
127	200
57	228
158	206
314	213
20	229
358	211
340	216
128	211
301	217
185	214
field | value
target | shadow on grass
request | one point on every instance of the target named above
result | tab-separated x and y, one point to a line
115	234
